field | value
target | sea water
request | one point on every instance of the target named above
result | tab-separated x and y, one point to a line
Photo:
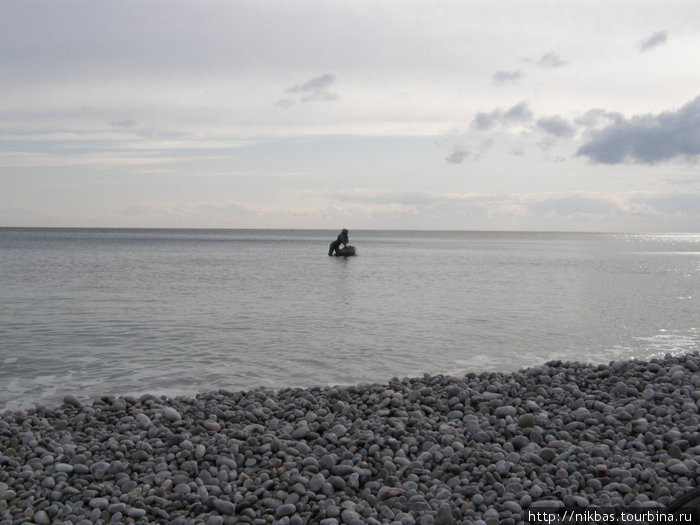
94	312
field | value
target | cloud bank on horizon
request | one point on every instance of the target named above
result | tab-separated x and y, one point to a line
371	114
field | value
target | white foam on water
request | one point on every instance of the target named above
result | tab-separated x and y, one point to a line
670	342
167	392
665	342
85	359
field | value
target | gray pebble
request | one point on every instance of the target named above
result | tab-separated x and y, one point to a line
72	401
526	420
286	509
98	503
429	450
63	467
224	507
42	518
143	420
678	468
506	410
547	454
171	414
444	515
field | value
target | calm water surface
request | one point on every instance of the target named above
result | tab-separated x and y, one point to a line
92	311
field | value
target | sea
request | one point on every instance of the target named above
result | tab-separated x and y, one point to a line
95	312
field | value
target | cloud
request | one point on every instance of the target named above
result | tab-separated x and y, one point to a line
594	118
316	89
504	77
457	156
455	141
646	138
202	212
675	203
284	103
491	122
96	159
576	203
126	124
551	60
556	126
541	208
653	40
462	146
548	61
485	121
519	113
372	196
314	85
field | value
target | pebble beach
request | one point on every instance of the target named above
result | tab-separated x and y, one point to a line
483	448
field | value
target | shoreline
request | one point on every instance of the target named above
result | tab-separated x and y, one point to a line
482	448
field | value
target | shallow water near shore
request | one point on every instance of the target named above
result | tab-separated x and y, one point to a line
103	311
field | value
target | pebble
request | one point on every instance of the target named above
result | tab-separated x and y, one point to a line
526	421
224	506
215	426
71	400
433	450
63	467
143	420
506	410
98	503
444	515
286	509
171	414
389	492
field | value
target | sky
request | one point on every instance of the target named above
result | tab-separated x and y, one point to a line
462	115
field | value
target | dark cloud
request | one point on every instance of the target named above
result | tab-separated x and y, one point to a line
504	77
551	60
653	40
556	126
647	138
